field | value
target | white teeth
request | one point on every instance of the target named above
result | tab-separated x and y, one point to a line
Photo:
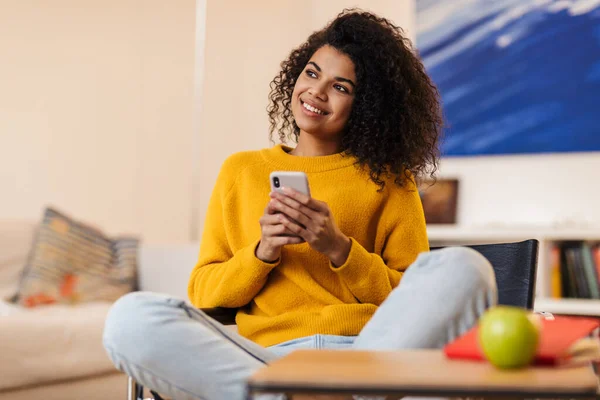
313	109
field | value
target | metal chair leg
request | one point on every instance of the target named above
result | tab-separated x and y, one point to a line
130	389
135	391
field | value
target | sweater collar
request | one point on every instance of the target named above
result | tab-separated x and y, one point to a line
279	156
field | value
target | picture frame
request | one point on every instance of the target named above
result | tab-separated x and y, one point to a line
440	200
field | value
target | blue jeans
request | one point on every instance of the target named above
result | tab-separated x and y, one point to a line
176	349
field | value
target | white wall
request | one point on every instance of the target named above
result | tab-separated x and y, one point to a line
551	190
96	112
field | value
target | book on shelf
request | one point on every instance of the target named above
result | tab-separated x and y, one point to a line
596	254
589	267
575	270
555	273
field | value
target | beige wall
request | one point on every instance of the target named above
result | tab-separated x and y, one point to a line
245	42
108	111
96	112
402	12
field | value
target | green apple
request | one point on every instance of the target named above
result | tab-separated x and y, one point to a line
509	336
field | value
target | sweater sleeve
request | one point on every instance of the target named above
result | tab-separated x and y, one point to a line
222	278
371	276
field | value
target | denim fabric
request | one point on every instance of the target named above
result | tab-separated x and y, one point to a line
176	349
313	342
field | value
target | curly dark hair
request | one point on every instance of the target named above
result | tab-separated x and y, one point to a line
396	121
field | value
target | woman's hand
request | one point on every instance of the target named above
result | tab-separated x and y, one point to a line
274	235
311	220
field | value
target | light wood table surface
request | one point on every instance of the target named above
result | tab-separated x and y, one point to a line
415	373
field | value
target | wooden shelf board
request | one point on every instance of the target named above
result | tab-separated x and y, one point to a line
568	306
461	233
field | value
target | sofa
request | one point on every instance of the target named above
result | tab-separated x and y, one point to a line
55	351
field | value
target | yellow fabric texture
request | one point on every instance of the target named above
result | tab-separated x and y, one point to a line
303	294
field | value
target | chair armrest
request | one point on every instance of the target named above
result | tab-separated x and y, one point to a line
225	316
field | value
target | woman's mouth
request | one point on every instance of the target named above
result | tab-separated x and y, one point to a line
312	109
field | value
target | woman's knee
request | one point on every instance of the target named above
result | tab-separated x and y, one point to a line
458	266
466	265
131	324
129	311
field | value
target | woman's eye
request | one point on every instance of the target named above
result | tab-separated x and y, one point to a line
341	88
311	73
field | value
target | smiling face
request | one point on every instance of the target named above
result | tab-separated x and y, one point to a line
323	94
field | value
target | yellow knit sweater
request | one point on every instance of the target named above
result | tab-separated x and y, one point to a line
303	293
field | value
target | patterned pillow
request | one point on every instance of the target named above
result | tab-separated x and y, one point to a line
70	262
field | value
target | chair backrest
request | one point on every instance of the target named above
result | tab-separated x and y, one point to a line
515	265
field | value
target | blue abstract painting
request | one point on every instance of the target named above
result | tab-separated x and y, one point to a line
515	76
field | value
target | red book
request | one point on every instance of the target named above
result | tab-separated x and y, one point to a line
558	337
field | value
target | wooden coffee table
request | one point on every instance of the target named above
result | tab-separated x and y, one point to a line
415	373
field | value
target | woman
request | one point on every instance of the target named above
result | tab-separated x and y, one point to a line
328	271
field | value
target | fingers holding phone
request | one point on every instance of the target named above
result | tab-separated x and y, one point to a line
274	235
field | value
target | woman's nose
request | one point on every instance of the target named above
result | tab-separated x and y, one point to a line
318	91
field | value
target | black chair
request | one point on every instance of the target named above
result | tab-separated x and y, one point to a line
515	265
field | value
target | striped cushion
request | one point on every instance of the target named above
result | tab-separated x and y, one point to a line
70	262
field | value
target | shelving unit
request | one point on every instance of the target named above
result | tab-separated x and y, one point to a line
444	235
